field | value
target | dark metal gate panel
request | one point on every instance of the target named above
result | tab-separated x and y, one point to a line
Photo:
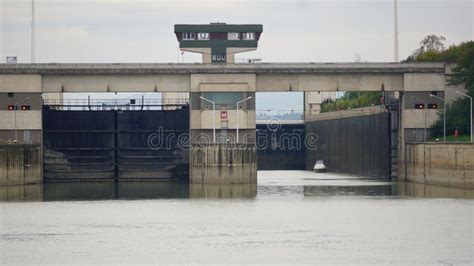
91	145
153	144
344	142
78	144
280	148
355	145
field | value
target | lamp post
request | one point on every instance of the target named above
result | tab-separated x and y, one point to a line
213	117
237	104
444	115
426	112
395	23
14	114
465	95
33	33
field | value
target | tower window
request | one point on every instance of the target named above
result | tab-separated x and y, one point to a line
188	36
219	57
249	35
233	36
203	36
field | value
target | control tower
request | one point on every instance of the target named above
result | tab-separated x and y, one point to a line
218	42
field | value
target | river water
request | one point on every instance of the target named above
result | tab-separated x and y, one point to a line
290	217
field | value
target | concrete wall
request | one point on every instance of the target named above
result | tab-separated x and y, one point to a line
444	164
33	192
28	122
20	164
20	83
223	164
116	83
313	101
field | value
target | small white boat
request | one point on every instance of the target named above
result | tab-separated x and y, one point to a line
319	167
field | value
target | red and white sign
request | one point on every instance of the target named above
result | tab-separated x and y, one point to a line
223	114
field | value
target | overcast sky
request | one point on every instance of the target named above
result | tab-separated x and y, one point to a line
293	31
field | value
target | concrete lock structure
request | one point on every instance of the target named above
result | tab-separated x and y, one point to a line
221	93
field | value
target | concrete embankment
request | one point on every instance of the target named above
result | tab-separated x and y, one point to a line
443	164
20	164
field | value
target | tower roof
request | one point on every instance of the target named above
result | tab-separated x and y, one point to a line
218	27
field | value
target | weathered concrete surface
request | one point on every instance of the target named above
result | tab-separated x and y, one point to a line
192	68
444	164
20	82
33	192
265	77
20	164
223	164
25	120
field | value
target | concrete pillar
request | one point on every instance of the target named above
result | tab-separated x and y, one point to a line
228	160
20	164
313	101
233	163
172	100
53	98
28	117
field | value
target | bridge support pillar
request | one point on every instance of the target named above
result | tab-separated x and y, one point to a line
222	127
233	163
313	101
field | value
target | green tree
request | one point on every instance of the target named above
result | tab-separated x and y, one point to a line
432	43
430	49
351	100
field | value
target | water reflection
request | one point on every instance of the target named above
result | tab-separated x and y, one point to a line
208	191
271	184
376	190
115	190
429	191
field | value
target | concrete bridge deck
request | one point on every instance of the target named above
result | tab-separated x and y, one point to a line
265	77
193	68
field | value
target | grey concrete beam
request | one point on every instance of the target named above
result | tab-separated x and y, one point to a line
263	68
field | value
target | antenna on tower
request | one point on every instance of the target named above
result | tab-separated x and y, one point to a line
33	29
395	18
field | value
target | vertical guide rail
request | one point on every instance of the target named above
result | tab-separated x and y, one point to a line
116	155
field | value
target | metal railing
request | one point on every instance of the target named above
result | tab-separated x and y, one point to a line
115	104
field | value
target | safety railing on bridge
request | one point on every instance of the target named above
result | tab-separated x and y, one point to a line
115	104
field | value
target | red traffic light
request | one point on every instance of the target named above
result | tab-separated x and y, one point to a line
11	107
25	107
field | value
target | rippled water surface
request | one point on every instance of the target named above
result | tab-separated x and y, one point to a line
290	217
